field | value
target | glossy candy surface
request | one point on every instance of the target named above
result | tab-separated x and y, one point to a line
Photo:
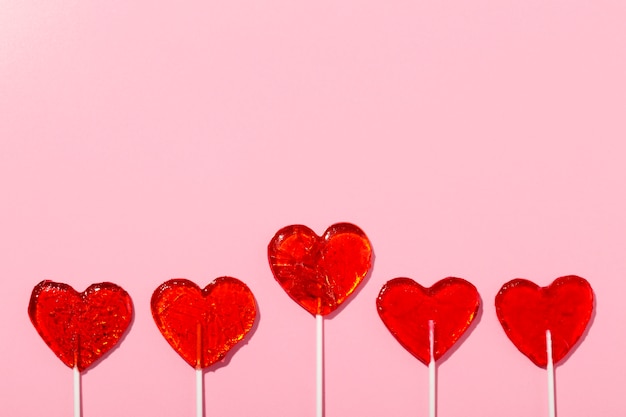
526	311
202	325
320	272
406	308
80	327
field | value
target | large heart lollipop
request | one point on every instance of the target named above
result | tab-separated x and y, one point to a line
526	311
320	272
406	308
202	325
80	327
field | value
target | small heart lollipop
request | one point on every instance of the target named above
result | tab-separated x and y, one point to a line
320	273
428	321
526	311
80	327
406	308
545	323
203	325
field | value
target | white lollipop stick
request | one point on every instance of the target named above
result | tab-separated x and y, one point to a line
550	368
432	381
319	369
199	377
76	391
199	391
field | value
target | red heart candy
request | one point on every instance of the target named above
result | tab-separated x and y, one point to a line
320	272
526	311
80	327
202	325
406	308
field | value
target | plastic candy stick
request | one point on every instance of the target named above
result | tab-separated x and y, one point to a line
77	404
432	372
199	392
550	369
319	366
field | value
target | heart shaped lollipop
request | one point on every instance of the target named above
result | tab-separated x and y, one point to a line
80	327
526	311
320	272
406	308
202	325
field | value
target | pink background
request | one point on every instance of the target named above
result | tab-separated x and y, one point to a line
141	141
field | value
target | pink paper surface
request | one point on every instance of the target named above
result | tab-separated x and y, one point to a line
143	141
